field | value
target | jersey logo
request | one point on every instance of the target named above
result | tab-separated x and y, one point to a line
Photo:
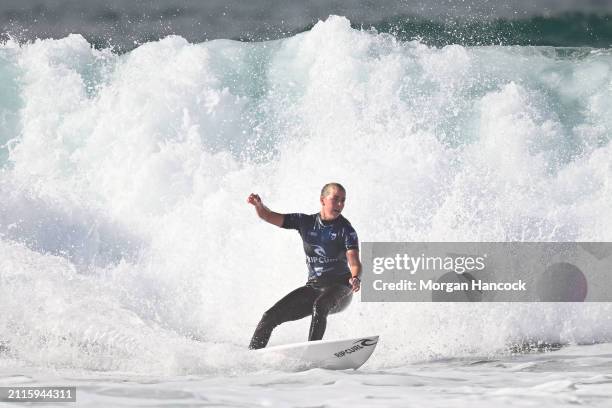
333	235
319	250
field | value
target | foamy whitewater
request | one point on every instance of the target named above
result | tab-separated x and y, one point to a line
132	267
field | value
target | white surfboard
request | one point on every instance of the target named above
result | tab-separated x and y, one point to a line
329	354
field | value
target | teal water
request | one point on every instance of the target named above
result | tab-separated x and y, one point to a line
565	30
125	25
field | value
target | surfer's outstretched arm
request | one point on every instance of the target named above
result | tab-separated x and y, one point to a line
264	212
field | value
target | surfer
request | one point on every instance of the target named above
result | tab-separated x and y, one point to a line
332	256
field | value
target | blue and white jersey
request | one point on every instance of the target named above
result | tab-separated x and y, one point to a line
325	243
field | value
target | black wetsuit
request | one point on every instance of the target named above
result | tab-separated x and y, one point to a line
327	289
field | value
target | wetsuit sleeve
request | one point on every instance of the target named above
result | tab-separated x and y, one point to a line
293	221
350	239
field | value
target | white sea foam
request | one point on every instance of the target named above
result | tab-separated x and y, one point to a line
126	243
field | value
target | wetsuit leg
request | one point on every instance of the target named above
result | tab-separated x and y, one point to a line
296	305
332	299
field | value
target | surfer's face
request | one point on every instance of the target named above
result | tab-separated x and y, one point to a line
332	204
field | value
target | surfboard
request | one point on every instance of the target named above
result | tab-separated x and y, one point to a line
329	354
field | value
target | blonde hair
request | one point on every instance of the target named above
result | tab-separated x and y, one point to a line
329	186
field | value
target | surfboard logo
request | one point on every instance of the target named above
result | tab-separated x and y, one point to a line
358	345
366	342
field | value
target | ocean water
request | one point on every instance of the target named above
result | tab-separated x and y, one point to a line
132	267
125	25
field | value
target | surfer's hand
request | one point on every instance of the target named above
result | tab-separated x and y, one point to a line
254	199
355	284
